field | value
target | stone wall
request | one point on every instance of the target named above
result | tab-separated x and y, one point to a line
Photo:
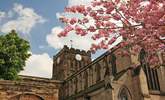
29	88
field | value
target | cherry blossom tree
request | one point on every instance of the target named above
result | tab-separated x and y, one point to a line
140	23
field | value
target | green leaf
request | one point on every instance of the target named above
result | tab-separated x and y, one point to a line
13	54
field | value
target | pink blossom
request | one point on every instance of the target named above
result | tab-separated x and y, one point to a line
100	11
73	21
92	29
88	9
62	34
85	20
142	25
64	19
68	28
80	8
92	14
105	18
80	31
122	7
109	10
102	32
112	40
116	16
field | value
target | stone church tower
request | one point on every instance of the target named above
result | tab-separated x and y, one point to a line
69	61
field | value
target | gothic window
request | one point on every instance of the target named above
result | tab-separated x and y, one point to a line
80	82
71	64
79	63
124	94
151	74
107	73
91	76
123	97
113	63
75	85
98	72
72	67
82	62
105	62
114	70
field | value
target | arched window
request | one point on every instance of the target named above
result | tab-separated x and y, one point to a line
81	81
75	85
124	94
90	76
113	63
98	72
82	62
114	70
151	74
85	79
107	72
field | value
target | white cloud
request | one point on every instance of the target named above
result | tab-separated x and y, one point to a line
41	46
58	15
72	3
78	2
2	15
80	42
38	65
26	19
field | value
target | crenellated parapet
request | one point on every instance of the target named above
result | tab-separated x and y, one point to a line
66	49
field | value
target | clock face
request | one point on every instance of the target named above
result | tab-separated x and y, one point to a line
78	57
58	60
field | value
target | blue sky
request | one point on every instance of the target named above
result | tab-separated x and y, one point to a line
46	11
45	8
36	21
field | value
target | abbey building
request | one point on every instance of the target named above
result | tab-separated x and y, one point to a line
77	77
109	77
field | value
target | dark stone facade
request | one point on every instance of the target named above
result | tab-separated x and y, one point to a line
109	77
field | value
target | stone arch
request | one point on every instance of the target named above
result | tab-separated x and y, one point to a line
124	94
26	96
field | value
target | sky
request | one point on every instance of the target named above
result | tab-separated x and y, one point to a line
37	21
